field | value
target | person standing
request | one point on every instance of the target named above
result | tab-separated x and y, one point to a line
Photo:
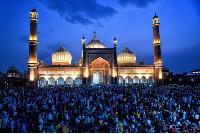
12	125
50	118
138	117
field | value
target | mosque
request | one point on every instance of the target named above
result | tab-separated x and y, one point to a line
99	64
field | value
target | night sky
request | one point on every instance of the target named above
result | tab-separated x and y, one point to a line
130	21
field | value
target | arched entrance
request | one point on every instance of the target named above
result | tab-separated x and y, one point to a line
128	80
150	80
143	80
120	80
60	81
78	81
97	78
42	82
136	80
100	71
51	81
69	81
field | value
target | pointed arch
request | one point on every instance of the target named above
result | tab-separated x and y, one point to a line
128	80
69	81
143	80
136	80
42	82
150	79
120	80
60	81
99	63
78	81
51	81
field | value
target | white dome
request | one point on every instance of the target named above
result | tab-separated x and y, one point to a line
126	56
61	57
95	43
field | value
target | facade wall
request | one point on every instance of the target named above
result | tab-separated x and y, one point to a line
57	73
138	74
54	75
138	71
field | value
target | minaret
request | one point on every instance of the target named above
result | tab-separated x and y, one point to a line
115	71
157	49
156	41
33	63
115	42
83	41
115	48
115	52
84	59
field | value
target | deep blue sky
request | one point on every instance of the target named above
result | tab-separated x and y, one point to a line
130	21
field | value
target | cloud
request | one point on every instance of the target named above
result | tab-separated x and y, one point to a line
51	30
137	3
24	38
80	11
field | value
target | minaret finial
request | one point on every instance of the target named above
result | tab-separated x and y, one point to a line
61	44
34	4
155	16
125	45
94	33
83	37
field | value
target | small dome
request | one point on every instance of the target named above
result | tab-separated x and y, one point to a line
41	62
33	10
13	68
95	43
61	57
126	57
141	63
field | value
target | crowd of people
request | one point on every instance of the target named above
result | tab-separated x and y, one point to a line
102	109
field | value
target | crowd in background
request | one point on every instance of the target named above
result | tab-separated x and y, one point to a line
103	109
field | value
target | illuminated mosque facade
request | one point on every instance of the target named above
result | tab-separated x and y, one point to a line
99	64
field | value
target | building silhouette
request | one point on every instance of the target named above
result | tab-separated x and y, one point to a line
99	64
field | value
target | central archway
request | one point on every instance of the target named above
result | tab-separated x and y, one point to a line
97	78
100	71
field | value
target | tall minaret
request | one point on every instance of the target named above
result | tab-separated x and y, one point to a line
33	63
157	49
156	41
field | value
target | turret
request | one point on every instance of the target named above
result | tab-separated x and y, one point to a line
83	40
115	42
